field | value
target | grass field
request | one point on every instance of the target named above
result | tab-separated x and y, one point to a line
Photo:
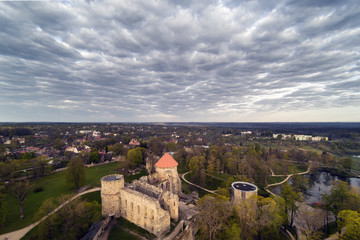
187	189
118	232
271	180
281	166
132	227
210	182
54	185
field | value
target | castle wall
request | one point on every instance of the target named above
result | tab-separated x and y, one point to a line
171	202
168	200
170	174
143	204
238	195
144	211
110	194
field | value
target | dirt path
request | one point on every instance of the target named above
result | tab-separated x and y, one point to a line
207	190
18	234
283	181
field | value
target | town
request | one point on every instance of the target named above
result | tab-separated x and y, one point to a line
296	180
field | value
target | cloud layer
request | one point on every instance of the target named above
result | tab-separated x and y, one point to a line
180	61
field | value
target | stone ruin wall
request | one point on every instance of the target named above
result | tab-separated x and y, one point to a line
110	192
171	175
239	195
144	211
139	202
169	200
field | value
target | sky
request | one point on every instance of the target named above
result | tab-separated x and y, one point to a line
180	61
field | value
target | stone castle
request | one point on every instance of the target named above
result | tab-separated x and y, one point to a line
149	202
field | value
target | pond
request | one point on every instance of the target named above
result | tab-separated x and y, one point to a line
320	182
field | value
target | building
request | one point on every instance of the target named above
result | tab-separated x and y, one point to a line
242	191
148	205
166	176
134	143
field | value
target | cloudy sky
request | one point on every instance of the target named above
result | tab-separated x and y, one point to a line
156	60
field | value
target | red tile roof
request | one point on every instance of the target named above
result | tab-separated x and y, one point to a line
166	161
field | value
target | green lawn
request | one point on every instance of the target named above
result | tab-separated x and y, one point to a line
271	180
134	228
291	167
187	189
210	182
54	186
118	232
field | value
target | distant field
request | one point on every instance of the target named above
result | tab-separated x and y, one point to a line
54	186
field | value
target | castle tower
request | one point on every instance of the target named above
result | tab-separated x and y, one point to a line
242	191
166	170
110	194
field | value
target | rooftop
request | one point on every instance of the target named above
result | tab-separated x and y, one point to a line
166	161
111	178
244	186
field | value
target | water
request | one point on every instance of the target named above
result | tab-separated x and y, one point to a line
320	182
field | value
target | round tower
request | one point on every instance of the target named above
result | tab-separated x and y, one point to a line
166	170
242	191
110	194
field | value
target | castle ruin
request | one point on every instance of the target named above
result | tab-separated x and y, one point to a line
149	202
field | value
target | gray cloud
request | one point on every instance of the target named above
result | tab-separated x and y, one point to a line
179	60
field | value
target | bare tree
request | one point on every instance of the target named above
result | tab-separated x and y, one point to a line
20	190
213	215
309	222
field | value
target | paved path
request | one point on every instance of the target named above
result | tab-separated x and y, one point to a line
18	234
207	190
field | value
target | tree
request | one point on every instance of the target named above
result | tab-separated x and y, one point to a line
2	207
135	157
72	221
310	224
75	172
20	190
351	221
213	215
259	218
117	149
94	156
170	147
292	201
340	198
346	162
300	183
39	166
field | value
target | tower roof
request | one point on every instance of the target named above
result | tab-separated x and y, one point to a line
166	161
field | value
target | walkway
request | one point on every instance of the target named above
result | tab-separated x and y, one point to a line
18	234
207	190
283	181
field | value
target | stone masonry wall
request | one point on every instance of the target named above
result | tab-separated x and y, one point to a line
144	211
110	193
